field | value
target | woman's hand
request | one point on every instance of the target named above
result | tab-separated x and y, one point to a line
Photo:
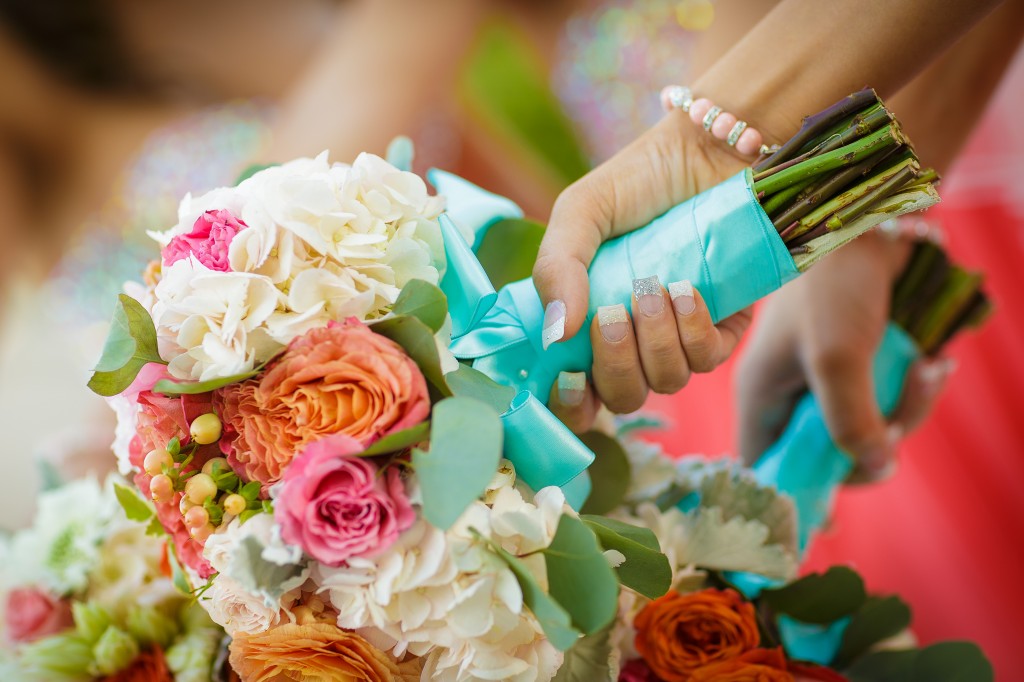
821	332
666	335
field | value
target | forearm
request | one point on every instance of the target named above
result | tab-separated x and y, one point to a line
806	54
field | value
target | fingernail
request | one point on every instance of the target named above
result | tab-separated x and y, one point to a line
613	322
649	298
933	375
881	457
681	293
554	323
571	386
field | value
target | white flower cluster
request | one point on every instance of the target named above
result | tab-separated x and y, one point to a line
322	242
447	597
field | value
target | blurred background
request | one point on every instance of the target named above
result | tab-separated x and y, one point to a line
113	110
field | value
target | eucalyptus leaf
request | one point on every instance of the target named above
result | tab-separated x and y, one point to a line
134	507
470	383
610	473
878	619
587	660
130	346
424	301
646	569
418	342
509	249
819	598
942	662
553	619
169	387
579	577
465	449
400	440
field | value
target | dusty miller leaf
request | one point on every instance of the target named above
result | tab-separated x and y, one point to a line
737	494
733	545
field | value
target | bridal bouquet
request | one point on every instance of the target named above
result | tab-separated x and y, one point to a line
712	518
87	595
333	485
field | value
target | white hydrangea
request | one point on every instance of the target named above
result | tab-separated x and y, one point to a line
447	596
323	242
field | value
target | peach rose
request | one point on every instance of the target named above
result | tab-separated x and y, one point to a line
756	665
149	666
677	634
342	379
315	651
33	614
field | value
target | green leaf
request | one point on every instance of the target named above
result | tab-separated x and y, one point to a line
400	440
609	474
587	660
509	249
130	345
178	577
878	619
424	301
169	387
155	528
819	598
49	475
418	341
134	507
553	619
467	382
942	662
579	577
250	491
252	170
465	449
646	570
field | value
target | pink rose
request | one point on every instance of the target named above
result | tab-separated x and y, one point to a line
337	506
33	614
208	241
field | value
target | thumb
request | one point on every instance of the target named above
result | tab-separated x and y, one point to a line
842	381
580	221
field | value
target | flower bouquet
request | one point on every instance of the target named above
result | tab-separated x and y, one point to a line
713	519
87	595
932	301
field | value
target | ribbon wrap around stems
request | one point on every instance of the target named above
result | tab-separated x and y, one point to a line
805	464
720	240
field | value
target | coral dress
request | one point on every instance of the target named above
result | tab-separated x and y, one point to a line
945	532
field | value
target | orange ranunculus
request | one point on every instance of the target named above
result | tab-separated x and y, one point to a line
676	633
342	379
149	666
315	651
756	665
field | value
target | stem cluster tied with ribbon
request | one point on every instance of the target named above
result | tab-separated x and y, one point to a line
848	165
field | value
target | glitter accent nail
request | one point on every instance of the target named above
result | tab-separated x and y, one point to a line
681	293
649	297
554	323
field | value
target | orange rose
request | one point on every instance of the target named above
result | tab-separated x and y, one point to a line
756	665
341	379
150	666
315	651
676	633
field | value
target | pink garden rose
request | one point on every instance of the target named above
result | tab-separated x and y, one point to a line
33	614
336	506
208	241
340	379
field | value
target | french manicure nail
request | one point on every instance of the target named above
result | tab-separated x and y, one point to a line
554	323
681	293
934	374
571	386
613	321
649	297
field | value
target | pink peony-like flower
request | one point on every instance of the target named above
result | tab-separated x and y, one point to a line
208	241
33	614
337	506
341	379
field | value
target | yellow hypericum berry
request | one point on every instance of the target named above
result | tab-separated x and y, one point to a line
205	429
202	533
161	488
234	504
196	517
219	462
155	461
200	487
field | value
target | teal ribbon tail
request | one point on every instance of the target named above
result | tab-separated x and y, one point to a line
465	284
471	208
805	464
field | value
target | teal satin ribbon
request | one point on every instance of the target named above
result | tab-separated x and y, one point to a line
720	240
805	464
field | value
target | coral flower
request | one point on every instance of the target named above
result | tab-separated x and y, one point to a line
149	666
677	634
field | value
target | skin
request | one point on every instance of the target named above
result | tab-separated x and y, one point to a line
676	160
